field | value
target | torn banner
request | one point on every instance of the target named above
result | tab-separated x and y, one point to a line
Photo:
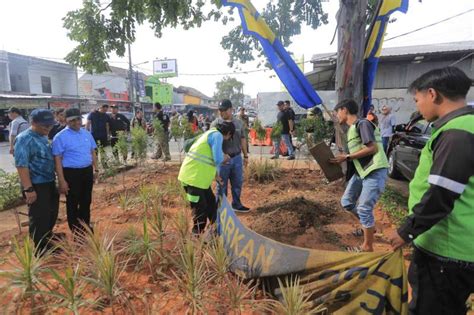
345	283
285	67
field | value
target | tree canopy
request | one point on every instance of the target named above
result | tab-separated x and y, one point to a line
230	88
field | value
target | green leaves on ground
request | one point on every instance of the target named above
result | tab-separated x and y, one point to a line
10	193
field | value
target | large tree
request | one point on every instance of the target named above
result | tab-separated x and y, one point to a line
230	88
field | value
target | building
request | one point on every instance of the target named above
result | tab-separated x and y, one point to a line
29	82
191	96
398	67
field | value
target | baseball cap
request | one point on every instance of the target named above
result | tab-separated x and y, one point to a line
14	110
72	113
225	105
43	117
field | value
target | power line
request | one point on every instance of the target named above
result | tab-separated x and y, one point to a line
430	25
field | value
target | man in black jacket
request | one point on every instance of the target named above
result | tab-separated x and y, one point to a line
118	122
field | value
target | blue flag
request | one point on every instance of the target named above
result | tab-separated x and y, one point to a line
285	67
374	44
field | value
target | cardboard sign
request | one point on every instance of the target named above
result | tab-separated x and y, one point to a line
322	153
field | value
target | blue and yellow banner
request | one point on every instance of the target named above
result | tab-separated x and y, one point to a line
285	67
344	283
374	44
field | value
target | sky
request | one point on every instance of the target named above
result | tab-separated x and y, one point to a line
34	27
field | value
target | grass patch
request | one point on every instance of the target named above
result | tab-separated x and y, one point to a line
263	171
395	204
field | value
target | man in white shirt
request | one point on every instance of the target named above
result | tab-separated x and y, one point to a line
386	123
16	126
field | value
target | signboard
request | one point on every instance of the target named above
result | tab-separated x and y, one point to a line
166	68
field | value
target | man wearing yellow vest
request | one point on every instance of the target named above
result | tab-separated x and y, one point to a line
199	170
366	152
441	202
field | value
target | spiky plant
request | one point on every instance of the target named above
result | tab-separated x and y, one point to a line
107	266
263	171
182	223
218	258
294	299
144	248
27	267
124	201
157	226
238	296
192	275
70	294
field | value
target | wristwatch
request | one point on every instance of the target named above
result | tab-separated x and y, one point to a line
29	189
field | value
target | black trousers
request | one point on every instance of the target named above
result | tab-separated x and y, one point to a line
204	208
79	197
439	287
43	214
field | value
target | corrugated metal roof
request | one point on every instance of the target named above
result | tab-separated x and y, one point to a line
464	46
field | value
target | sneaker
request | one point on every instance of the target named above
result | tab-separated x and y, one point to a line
291	158
274	158
242	209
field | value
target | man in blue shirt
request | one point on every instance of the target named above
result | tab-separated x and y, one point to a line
35	164
76	164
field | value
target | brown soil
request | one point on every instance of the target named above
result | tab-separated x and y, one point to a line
299	208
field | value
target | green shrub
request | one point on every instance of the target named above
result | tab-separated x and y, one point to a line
11	191
139	143
263	171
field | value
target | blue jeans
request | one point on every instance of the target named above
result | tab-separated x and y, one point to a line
234	172
361	195
385	141
286	139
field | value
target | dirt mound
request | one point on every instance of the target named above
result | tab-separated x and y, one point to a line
287	220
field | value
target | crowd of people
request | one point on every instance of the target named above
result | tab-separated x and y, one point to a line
440	223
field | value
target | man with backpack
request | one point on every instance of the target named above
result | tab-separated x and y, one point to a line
368	182
199	169
16	126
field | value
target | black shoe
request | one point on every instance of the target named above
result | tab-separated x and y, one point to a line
242	209
274	158
291	158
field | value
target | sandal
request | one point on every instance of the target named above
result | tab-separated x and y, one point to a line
354	249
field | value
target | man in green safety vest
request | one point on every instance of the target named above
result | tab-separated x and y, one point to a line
368	182
199	170
441	204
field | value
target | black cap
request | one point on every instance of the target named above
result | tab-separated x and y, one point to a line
226	127
225	105
280	103
72	113
43	117
14	110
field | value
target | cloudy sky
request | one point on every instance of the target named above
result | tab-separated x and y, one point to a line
34	27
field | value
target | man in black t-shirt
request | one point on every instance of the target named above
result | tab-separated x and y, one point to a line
162	146
118	122
288	127
98	124
291	120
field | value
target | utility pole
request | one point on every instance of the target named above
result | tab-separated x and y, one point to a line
350	58
130	79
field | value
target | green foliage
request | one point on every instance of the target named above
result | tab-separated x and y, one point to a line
122	145
219	260
260	131
263	171
100	31
319	129
230	88
11	191
139	143
71	290
158	131
276	131
395	204
27	267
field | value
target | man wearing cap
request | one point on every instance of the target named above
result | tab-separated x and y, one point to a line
35	165
234	147
76	165
16	126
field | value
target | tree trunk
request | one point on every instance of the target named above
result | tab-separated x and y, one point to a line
350	58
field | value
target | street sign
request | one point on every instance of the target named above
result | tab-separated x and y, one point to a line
166	68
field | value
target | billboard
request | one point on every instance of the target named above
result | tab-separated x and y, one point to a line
166	68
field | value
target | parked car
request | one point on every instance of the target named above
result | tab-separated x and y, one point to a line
405	147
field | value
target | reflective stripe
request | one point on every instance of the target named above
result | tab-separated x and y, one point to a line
446	183
198	159
192	198
202	156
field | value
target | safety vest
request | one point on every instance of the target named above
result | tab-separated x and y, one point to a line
198	169
452	237
377	161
